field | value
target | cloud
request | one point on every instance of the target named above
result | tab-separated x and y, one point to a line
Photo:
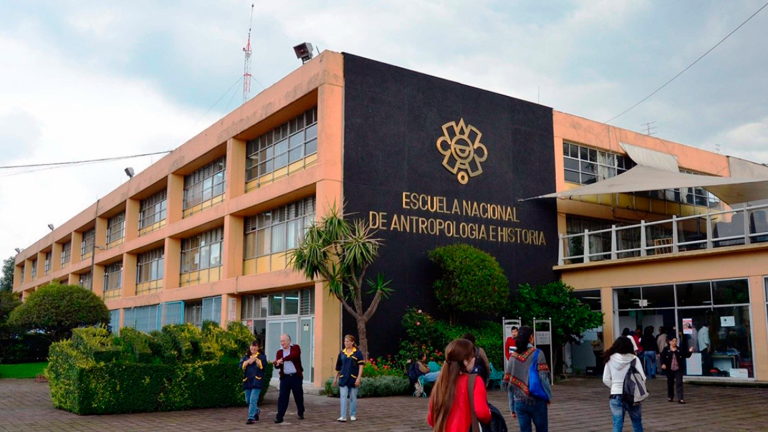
747	141
19	134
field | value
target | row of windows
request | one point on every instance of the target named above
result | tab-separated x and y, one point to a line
205	183
150	266
278	230
584	165
116	228
153	209
113	276
285	144
285	303
202	251
154	317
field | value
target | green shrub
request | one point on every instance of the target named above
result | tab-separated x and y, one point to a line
380	386
471	281
431	336
98	373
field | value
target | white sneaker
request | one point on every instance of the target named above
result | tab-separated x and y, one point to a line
353	418
341	419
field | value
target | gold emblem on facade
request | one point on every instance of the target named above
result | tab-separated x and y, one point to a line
462	150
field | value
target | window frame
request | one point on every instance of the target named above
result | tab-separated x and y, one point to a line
157	204
110	270
264	225
66	253
193	247
89	237
195	187
147	260
116	228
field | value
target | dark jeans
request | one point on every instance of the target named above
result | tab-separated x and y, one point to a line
706	363
619	407
675	379
290	384
536	413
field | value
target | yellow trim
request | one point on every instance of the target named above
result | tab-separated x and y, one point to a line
148	287
153	227
113	293
203	206
286	171
115	243
199	277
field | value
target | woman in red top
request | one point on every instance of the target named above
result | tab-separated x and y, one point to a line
449	408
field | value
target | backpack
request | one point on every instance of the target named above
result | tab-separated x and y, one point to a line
634	390
480	367
414	372
497	424
535	388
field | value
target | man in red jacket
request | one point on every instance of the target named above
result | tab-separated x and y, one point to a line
288	361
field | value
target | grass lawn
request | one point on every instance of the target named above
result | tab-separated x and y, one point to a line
22	370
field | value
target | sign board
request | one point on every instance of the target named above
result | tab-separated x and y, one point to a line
693	364
739	373
688	326
543	338
727	321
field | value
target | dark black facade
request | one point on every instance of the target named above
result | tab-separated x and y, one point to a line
394	177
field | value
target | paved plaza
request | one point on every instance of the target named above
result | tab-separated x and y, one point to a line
579	405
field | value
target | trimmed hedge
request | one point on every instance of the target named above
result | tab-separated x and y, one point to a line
380	386
175	369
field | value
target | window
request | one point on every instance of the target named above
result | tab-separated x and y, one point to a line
202	251
114	320
23	269
66	250
193	313
86	280
278	230
173	313
144	319
115	228
86	246
47	263
34	268
300	302
204	184
283	145
150	266
113	276
584	165
152	210
212	309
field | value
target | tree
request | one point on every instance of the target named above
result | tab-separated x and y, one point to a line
339	253
471	281
570	317
56	309
8	302
6	281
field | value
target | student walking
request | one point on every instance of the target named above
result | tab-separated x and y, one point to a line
648	343
252	364
531	402
288	362
456	400
617	361
349	373
672	362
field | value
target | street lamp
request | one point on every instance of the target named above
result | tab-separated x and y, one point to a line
50	226
304	51
129	172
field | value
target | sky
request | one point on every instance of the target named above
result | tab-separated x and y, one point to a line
92	79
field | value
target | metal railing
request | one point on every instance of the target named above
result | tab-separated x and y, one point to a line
736	226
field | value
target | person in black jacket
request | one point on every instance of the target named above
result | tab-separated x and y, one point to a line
349	374
253	364
648	342
672	361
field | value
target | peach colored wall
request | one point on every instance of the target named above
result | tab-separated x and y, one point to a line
723	263
317	83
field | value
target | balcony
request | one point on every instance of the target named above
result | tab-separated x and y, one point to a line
732	227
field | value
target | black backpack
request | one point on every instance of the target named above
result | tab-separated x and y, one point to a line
497	424
480	367
414	372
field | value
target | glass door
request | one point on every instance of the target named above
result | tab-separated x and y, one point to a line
307	338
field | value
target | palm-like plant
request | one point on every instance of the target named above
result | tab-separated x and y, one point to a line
339	253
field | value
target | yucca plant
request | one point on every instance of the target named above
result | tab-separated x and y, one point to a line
339	253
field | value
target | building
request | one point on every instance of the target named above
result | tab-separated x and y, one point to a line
203	233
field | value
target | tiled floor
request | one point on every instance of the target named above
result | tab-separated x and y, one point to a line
578	405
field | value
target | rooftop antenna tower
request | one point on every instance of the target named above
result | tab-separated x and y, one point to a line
650	128
247	66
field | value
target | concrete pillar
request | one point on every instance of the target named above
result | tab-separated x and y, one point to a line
171	263
17	270
101	233
129	275
74	252
606	294
232	255
132	208
175	198
97	283
56	257
759	332
40	265
27	270
74	279
235	176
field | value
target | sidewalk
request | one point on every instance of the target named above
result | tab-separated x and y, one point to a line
579	405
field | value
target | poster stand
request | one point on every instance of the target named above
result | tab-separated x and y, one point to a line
544	337
507	341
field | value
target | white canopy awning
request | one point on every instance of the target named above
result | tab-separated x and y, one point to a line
645	178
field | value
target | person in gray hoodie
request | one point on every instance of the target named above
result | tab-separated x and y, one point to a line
617	361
